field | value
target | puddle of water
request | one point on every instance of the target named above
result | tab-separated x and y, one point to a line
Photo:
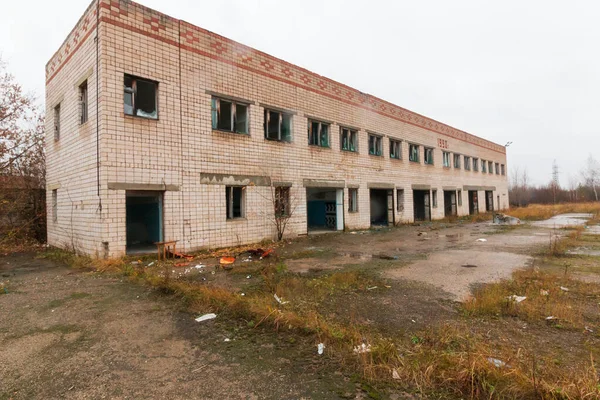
453	237
368	256
564	220
584	251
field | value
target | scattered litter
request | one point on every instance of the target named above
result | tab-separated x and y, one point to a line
422	234
249	276
504	219
198	369
151	264
590	330
363	348
413	321
170	254
200	266
516	299
544	292
242	294
551	318
320	348
260	253
227	260
135	262
249	259
395	375
497	363
564	289
183	264
469	266
280	300
388	287
213	272
372	287
353	233
206	317
227	340
481	240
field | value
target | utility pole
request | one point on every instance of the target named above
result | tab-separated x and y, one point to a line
555	184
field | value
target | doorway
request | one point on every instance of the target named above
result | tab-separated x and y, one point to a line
382	207
473	203
422	206
324	209
144	220
450	203
489	200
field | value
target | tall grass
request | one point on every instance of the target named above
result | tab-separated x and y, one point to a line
536	212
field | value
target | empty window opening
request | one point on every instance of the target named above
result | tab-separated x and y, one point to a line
413	153
434	202
229	116
55	205
446	159
375	145
400	200
57	122
457	161
489	200
421	205
473	202
83	102
324	209
502	169
449	203
144	221
476	164
278	126
381	207
490	167
483	166
396	149
282	201
318	133
467	163
140	97
352	200
428	154
497	169
235	198
349	139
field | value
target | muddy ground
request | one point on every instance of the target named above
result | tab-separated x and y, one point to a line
75	334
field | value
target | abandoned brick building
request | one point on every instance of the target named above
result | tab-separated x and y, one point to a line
160	130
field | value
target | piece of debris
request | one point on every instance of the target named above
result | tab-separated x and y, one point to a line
227	260
395	375
516	299
372	288
183	264
200	266
249	276
551	318
590	330
280	300
413	321
544	292
260	253
363	348
170	254
503	219
151	264
481	240
242	294
135	262
227	340
206	317
497	363
469	266
320	348
564	289
422	234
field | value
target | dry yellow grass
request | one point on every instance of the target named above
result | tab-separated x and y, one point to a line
536	212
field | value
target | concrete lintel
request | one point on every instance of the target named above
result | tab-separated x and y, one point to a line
469	187
322	183
353	186
450	188
420	187
54	186
283	184
380	185
278	109
234	180
228	97
157	187
319	119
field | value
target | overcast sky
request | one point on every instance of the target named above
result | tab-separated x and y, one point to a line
520	71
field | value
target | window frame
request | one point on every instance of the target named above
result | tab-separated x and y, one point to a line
490	167
396	155
467	163
281	115
483	166
285	205
56	121
502	170
83	103
456	163
475	164
133	92
417	152
446	157
378	144
229	202
215	109
319	133
497	168
352	135
431	152
352	200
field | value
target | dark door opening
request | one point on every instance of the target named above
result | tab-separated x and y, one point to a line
321	209
382	207
489	200
473	203
450	203
422	207
144	220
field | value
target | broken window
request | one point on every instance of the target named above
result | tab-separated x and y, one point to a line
352	200
395	149
467	163
235	198
413	153
375	145
490	167
400	200
428	155
83	103
318	133
229	115
57	122
282	201
140	97
502	169
483	166
446	159
348	139
476	164
54	205
434	198
459	198
457	161
497	169
278	126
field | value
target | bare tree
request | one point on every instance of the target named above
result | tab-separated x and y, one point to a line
591	174
284	204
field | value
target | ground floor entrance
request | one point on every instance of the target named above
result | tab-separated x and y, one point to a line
144	220
489	200
382	207
450	203
325	209
422	206
473	202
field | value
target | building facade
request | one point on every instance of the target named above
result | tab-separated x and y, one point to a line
159	130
